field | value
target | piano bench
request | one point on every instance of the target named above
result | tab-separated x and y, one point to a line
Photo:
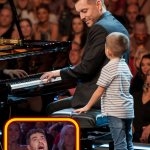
94	127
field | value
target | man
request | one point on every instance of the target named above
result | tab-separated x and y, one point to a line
141	36
102	23
131	14
6	27
36	139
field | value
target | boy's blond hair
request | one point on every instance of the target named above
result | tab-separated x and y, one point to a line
118	43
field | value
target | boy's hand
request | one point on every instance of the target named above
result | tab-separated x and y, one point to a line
81	110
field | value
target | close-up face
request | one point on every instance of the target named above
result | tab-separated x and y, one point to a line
42	15
132	13
22	4
13	132
36	3
74	55
145	65
37	141
129	2
89	12
5	17
77	25
69	137
25	28
140	33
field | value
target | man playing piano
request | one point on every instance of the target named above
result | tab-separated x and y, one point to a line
102	23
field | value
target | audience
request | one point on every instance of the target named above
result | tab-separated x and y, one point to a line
78	32
6	26
141	36
138	80
132	11
67	138
26	28
141	122
45	30
14	137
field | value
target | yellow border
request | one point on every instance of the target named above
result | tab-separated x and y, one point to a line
44	119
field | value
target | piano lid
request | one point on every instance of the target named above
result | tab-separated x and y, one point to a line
30	48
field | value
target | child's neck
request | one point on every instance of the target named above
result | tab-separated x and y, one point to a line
114	57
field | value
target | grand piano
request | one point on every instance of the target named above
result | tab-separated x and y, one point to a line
35	57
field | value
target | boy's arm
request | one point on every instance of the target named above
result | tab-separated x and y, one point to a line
97	94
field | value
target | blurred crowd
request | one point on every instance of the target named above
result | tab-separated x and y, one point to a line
58	20
41	135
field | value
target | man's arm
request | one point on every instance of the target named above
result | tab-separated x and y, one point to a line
93	57
96	96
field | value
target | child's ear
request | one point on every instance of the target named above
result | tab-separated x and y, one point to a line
109	52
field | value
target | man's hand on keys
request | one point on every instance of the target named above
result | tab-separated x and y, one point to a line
49	75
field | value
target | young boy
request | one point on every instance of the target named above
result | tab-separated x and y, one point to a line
113	86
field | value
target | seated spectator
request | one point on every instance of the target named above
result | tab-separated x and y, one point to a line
138	80
135	58
14	137
66	18
132	11
55	6
141	36
78	32
141	122
45	30
6	27
67	138
31	13
26	28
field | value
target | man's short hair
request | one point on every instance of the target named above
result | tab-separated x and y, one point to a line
33	131
89	1
118	43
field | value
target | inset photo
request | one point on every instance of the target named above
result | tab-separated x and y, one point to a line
41	133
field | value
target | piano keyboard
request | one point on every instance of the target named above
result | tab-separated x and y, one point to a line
33	83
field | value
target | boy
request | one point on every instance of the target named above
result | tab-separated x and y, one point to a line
113	86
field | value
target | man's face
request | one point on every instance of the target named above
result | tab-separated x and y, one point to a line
37	142
5	17
140	33
74	55
132	13
89	12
